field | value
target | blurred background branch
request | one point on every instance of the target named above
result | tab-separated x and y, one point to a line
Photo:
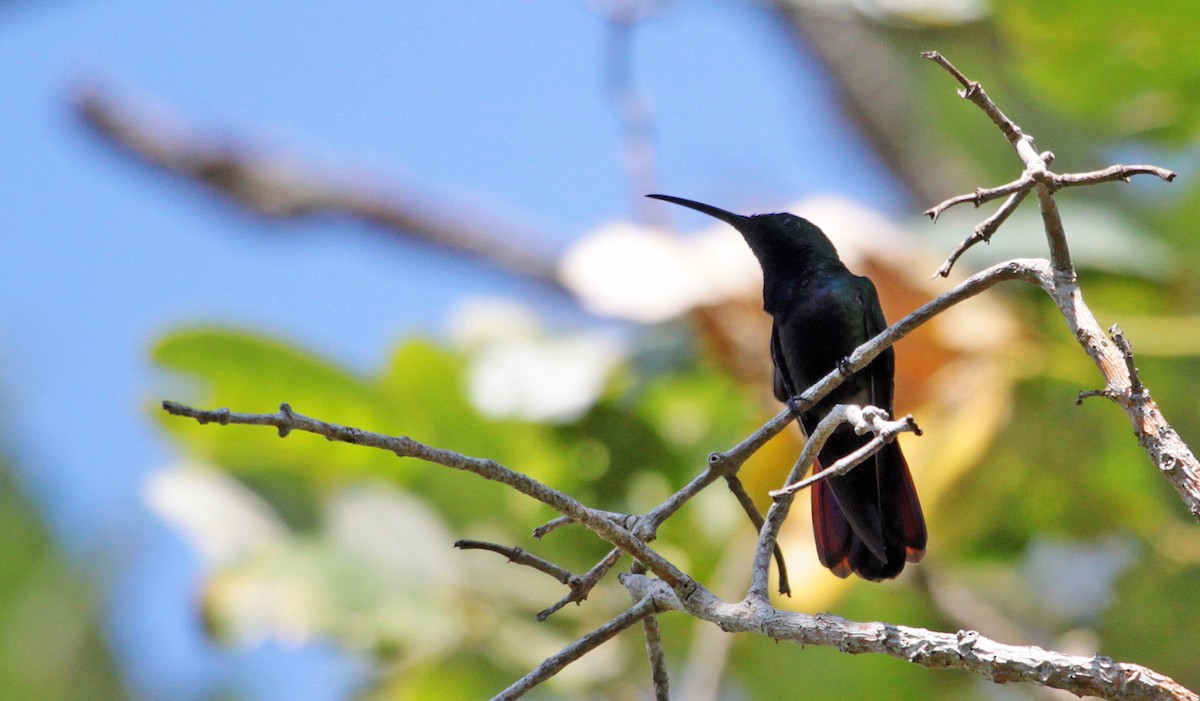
280	184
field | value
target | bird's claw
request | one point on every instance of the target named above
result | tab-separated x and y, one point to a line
844	368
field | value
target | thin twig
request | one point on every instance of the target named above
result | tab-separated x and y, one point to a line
728	469
658	659
580	585
624	520
519	557
778	512
655	651
1110	174
1056	237
885	433
748	506
984	230
647	606
1135	381
974	92
550	526
1088	394
583	584
646	527
980	196
286	420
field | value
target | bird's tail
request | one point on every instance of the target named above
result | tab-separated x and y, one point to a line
868	522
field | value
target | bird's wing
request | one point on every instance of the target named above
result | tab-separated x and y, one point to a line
898	494
882	370
784	389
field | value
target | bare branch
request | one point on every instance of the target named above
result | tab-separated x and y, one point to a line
286	420
646	527
720	464
1110	174
658	659
520	557
1099	676
1157	437
1056	237
974	92
1136	390
1167	451
980	196
1037	175
625	520
550	526
1036	164
984	230
281	185
655	651
885	432
739	491
647	606
1106	393
965	650
582	585
778	512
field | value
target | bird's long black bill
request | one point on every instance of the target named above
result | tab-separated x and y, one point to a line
734	220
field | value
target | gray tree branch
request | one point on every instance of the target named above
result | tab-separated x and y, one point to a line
967	650
1155	434
642	610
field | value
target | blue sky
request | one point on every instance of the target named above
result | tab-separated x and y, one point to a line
498	105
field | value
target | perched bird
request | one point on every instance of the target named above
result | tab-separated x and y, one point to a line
868	521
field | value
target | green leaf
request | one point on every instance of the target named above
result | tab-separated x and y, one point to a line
252	374
1125	68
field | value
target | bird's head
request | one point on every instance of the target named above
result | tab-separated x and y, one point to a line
776	239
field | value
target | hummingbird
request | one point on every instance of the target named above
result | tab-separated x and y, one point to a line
869	521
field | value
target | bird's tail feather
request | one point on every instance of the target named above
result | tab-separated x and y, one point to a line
869	522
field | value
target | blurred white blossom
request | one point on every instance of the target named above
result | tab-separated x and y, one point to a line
218	515
518	371
649	275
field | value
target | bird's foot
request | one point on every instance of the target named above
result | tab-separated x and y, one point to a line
844	368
